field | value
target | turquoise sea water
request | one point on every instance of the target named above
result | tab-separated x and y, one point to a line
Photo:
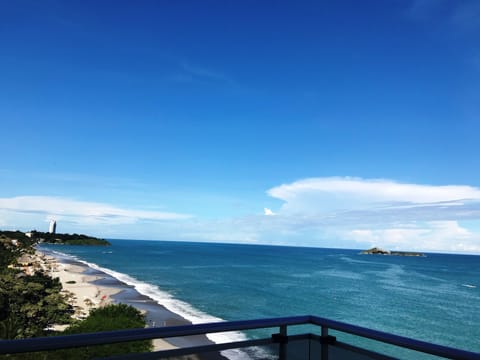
434	298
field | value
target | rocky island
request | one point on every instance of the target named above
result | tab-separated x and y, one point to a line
379	251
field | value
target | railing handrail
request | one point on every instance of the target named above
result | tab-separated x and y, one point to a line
101	338
108	337
402	341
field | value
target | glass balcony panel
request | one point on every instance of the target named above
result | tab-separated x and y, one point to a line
382	348
270	352
299	350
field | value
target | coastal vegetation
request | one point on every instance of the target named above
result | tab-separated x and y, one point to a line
107	318
67	239
32	304
29	303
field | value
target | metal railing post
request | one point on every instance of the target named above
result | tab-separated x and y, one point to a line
283	343
281	339
324	342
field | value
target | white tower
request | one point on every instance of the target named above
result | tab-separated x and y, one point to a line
53	227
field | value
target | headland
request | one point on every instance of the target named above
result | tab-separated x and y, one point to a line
67	239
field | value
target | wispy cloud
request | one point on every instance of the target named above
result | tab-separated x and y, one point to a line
189	73
466	15
82	211
202	72
459	15
475	59
422	9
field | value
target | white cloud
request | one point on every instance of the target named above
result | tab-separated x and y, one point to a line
357	198
380	212
371	190
268	212
81	211
326	212
431	236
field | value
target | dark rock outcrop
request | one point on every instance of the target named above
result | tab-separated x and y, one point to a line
379	251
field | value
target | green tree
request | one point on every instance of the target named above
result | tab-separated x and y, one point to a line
107	318
30	304
68	239
7	255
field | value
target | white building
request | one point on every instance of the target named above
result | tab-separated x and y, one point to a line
53	227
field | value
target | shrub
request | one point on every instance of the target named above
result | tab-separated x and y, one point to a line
107	318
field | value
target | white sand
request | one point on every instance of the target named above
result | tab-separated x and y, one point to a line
82	294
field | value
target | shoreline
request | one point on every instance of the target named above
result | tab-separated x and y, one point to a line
90	288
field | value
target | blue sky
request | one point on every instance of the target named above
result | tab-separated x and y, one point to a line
323	123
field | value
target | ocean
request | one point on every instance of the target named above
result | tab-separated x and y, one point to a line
435	298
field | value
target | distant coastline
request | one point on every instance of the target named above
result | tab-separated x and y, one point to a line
67	239
379	251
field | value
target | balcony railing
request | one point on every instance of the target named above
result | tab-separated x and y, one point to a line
325	339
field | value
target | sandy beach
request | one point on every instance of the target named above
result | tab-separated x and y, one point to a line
82	293
88	288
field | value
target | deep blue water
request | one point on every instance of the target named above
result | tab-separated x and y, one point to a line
434	298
